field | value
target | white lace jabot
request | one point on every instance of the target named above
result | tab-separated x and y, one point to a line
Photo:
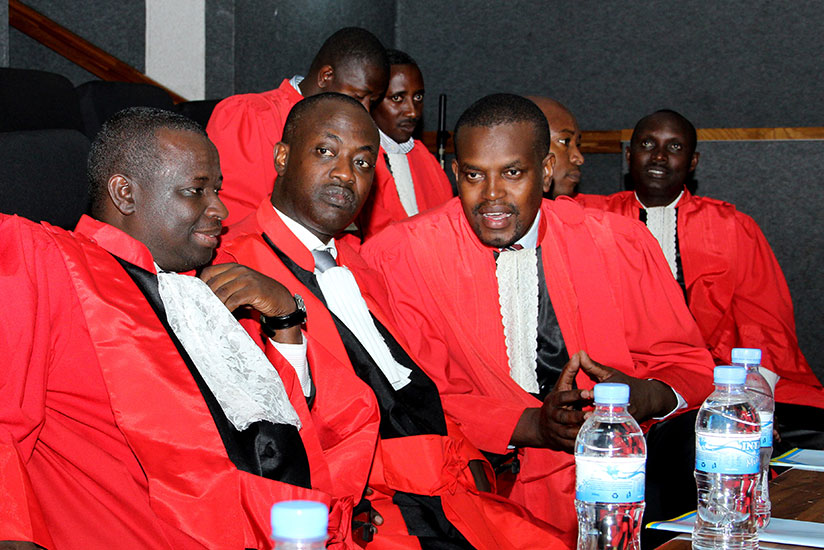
244	382
401	173
662	223
517	274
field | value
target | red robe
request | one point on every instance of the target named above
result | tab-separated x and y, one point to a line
430	464
607	283
432	188
735	288
245	129
105	438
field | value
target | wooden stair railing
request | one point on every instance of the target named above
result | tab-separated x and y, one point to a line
79	51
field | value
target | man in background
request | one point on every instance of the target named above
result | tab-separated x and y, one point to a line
408	178
565	144
727	271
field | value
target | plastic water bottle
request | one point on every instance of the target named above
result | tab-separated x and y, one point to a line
610	470
762	397
727	443
299	525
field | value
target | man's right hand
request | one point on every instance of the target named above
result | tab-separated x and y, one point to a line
556	423
18	545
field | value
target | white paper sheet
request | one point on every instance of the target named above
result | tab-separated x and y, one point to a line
803	459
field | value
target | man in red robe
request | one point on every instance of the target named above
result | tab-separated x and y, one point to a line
498	291
408	178
565	144
428	482
730	277
113	432
246	127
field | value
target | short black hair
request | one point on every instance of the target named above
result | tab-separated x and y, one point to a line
306	105
692	135
126	144
397	57
497	109
348	46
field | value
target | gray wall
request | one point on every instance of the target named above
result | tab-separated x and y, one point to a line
4	34
277	39
736	63
117	27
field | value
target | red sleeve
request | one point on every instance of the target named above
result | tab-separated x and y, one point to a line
661	334
427	334
33	303
762	308
245	129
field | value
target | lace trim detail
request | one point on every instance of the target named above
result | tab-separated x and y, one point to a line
661	222
403	182
244	382
517	274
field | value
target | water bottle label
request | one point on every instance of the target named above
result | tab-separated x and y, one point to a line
727	454
609	479
766	428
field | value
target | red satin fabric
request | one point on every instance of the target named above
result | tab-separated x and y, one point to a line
737	291
432	188
245	129
106	441
426	465
609	292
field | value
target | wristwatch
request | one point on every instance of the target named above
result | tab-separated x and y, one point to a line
297	317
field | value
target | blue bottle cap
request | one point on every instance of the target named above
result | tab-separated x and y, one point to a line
746	356
299	520
609	393
728	374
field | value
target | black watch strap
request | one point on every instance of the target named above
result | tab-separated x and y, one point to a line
297	317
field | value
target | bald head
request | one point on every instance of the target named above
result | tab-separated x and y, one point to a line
565	143
352	62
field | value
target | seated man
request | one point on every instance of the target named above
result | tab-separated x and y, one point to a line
427	481
134	411
246	127
503	295
730	278
565	144
408	178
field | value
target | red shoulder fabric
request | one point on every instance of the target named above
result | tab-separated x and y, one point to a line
245	129
427	464
432	188
94	415
444	292
736	289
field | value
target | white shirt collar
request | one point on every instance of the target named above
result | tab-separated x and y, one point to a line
306	237
670	205
393	147
295	82
530	239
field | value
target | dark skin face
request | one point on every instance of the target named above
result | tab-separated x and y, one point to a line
565	143
177	213
399	112
364	83
501	180
325	173
661	156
